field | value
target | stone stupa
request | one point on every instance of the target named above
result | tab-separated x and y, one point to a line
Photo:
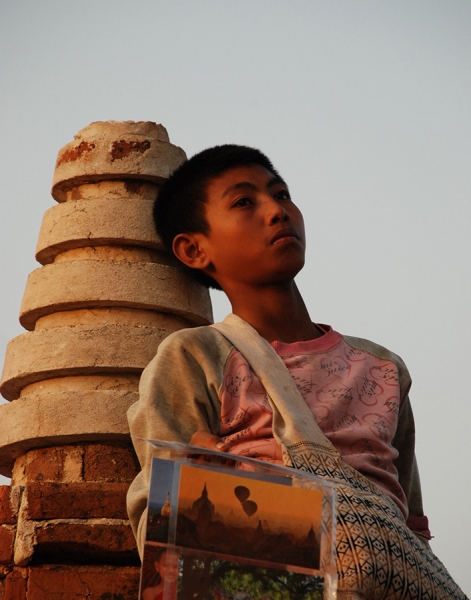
104	298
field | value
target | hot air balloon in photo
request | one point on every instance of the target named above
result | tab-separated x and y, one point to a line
242	493
250	507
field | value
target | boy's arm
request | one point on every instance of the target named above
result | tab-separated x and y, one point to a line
404	439
406	464
178	395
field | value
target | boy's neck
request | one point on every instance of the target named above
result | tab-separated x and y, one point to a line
277	313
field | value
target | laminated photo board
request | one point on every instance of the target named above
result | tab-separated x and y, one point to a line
225	527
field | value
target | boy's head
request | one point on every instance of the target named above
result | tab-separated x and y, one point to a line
167	566
180	206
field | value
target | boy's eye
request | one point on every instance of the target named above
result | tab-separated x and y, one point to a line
243	202
282	195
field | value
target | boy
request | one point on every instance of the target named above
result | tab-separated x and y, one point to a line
271	384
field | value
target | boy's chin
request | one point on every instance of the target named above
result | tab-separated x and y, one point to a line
284	277
291	271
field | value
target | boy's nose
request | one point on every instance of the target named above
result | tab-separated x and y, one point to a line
276	212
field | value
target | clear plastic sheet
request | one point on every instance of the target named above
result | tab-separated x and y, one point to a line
225	527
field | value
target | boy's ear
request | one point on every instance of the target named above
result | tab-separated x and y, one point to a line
188	249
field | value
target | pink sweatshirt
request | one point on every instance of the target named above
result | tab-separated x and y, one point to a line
353	395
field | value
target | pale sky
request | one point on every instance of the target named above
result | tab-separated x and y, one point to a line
364	107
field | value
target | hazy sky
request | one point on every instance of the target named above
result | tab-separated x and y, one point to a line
363	105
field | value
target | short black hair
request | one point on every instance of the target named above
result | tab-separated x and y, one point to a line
179	207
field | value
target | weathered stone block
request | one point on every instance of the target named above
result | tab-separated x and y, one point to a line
115	150
110	463
59	464
59	419
78	284
73	583
15	585
108	541
85	500
125	222
7	541
105	316
7	517
114	189
119	253
80	350
81	541
82	383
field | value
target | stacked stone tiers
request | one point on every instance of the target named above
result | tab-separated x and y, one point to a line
95	312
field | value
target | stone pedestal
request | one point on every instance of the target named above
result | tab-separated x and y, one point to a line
95	312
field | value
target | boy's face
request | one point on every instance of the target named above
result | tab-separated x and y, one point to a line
256	234
167	567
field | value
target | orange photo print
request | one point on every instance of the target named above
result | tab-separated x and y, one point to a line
259	521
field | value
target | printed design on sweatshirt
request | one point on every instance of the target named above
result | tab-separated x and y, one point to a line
353	396
246	415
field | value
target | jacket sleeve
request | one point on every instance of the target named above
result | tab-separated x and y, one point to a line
404	440
178	395
406	464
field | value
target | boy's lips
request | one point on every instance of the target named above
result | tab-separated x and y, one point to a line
288	232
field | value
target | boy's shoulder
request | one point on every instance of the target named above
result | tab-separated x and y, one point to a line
380	352
373	348
204	341
186	354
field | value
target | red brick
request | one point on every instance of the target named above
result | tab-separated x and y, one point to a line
7	540
48	464
3	573
85	500
110	542
93	583
6	513
15	585
103	462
